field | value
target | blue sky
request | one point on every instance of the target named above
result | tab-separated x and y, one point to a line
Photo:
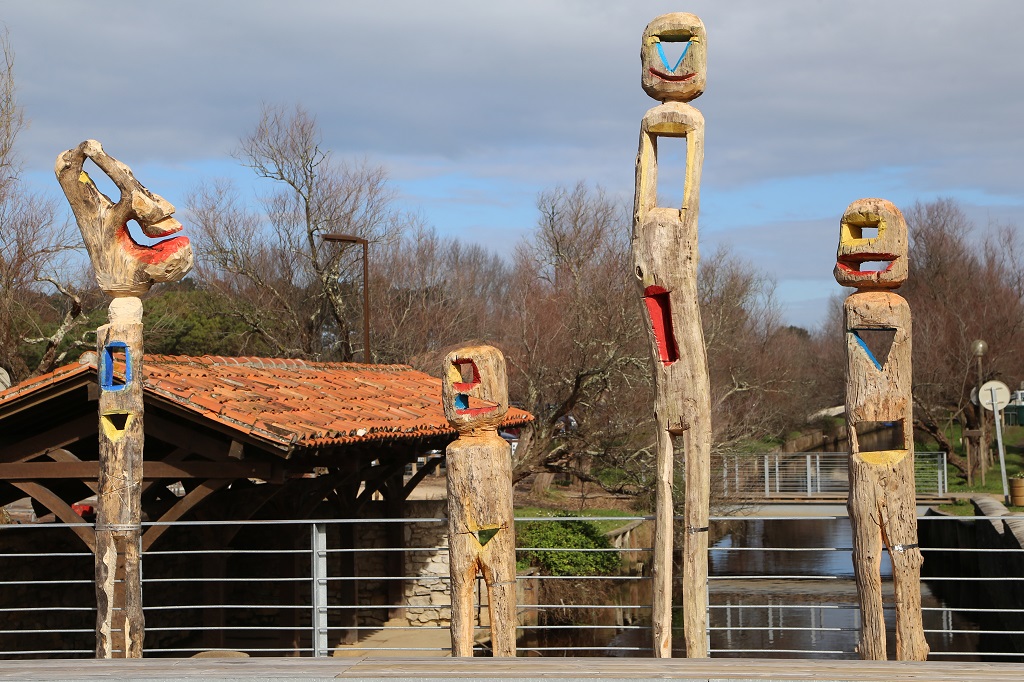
476	107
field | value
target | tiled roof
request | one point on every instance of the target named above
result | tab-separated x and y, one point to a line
286	402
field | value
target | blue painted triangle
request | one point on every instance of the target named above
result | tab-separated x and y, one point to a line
664	59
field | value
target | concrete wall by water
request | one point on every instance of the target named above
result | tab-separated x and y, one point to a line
1003	532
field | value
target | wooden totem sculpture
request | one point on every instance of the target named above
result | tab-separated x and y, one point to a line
124	270
872	257
481	532
665	255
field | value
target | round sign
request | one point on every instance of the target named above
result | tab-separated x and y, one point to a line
994	392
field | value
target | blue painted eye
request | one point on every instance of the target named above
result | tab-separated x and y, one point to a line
664	59
107	366
462	401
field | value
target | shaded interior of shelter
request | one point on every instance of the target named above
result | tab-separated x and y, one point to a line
199	469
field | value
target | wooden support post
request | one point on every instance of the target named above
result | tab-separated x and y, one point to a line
481	529
665	256
124	270
872	257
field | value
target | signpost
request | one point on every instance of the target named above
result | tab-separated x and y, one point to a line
995	395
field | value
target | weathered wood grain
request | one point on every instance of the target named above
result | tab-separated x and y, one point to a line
665	256
481	530
882	502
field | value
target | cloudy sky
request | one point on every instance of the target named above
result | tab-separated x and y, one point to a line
476	106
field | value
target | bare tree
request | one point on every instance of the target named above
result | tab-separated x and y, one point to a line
960	290
35	245
574	340
430	292
297	292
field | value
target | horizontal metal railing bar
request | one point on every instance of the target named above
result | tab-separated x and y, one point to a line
178	607
969	608
34	609
44	555
224	551
262	579
307	522
771	628
37	652
260	650
47	582
784	606
1015	654
782	651
521	607
344	578
778	577
32	631
976	632
236	628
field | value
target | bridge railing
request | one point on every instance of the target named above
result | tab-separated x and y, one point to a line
812	474
779	586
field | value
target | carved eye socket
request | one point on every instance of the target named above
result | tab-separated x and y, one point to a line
639	273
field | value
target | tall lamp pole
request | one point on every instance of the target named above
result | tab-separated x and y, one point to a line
979	348
351	239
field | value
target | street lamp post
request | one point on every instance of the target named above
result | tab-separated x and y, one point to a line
350	239
979	348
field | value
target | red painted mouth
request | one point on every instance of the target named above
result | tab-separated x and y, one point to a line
669	77
157	253
852	264
659	309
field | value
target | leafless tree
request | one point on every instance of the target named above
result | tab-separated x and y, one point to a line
35	245
960	290
298	292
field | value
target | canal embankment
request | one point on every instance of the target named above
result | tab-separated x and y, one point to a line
980	567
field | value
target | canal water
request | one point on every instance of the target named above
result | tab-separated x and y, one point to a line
777	589
786	588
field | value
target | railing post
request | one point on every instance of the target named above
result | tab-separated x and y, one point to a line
318	572
810	490
767	483
945	473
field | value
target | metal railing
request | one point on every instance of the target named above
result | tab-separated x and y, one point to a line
813	474
779	586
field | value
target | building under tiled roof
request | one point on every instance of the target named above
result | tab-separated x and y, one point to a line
285	402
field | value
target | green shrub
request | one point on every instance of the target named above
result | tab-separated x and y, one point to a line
566	534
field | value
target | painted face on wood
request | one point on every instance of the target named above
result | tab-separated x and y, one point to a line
474	388
123	266
872	250
674	57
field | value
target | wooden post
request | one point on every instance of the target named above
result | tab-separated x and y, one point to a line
481	530
872	257
665	256
124	270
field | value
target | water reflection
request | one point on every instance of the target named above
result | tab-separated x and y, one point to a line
754	612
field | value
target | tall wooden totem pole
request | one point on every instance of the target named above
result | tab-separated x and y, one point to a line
665	255
872	257
481	531
124	270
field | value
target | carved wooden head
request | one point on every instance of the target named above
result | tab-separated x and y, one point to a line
674	57
872	250
123	266
474	388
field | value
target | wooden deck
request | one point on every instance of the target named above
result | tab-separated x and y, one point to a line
532	669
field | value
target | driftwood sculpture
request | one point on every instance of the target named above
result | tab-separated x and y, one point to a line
481	532
665	256
124	270
872	257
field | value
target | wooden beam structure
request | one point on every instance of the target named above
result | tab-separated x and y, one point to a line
481	527
872	257
124	270
665	257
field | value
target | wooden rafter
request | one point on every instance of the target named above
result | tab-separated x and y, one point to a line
61	509
182	507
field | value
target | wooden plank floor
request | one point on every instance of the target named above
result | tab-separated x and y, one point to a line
708	670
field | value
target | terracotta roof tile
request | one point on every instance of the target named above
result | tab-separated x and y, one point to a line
291	402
